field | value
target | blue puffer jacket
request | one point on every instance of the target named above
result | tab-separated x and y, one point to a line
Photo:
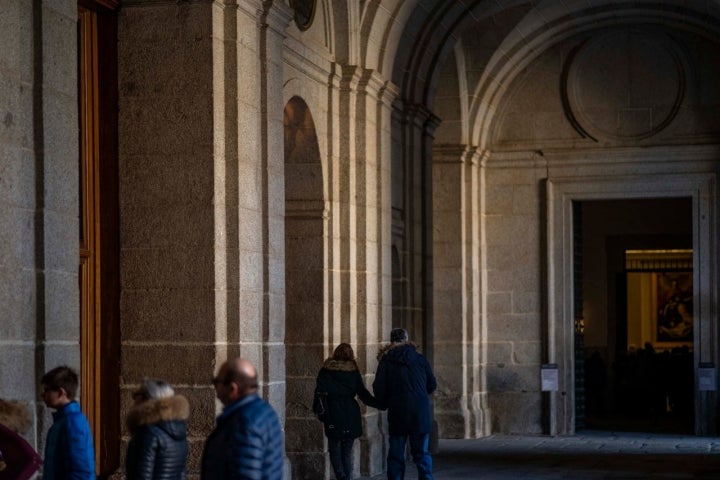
247	443
69	452
403	382
158	447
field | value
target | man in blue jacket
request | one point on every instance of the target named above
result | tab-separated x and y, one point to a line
69	452
403	383
247	442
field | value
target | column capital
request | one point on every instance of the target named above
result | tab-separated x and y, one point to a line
449	153
418	115
353	77
251	8
459	153
277	16
363	80
388	94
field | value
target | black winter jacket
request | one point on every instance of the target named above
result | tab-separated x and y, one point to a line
341	381
158	447
403	382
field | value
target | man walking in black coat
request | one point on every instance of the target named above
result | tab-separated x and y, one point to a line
403	382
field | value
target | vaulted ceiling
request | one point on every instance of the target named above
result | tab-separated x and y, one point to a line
487	43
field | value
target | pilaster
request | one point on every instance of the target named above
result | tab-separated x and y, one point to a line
457	329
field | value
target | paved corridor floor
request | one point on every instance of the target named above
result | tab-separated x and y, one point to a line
589	455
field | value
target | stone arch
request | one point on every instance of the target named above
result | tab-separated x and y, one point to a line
531	181
507	210
544	28
452	100
434	34
304	288
381	31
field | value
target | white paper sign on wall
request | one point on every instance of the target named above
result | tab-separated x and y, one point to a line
707	377
549	377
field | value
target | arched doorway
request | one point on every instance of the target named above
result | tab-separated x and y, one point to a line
304	287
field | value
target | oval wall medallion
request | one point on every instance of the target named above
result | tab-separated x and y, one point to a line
626	84
304	12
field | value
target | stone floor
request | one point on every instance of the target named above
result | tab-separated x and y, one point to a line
589	455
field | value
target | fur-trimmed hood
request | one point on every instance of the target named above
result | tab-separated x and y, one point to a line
15	416
340	365
175	408
390	346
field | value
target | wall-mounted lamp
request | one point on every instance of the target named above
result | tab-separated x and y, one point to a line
580	325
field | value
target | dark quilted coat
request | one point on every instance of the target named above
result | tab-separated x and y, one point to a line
403	382
247	443
341	381
158	447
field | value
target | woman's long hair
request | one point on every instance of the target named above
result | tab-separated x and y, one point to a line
344	352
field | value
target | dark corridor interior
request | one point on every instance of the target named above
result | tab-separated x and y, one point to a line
634	351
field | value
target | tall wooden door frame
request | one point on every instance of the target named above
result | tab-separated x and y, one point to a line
99	220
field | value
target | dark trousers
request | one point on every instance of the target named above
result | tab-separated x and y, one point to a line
341	457
420	454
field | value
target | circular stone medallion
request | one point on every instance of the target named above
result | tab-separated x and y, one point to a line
626	84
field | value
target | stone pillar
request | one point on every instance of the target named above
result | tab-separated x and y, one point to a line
412	225
201	166
351	152
38	196
513	312
227	53
459	336
22	202
56	213
256	327
387	96
358	268
275	20
173	295
373	270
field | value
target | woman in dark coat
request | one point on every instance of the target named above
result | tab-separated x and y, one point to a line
18	460
158	447
340	380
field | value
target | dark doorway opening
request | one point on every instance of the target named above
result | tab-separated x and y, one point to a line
634	282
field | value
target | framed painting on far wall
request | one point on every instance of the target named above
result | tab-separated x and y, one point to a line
674	321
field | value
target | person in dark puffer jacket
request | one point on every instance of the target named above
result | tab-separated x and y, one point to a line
158	447
403	382
341	381
247	443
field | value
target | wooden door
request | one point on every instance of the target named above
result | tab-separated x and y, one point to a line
98	235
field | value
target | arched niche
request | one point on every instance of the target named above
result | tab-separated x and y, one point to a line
304	287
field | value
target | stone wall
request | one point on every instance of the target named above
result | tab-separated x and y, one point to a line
207	188
38	197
